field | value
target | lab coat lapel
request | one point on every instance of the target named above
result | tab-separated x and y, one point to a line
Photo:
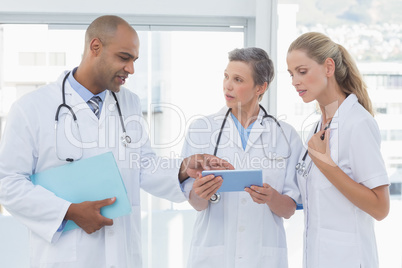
340	116
343	111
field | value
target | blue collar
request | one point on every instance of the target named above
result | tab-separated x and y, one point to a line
85	94
244	133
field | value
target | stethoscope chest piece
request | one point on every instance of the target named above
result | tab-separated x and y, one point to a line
301	167
215	198
125	139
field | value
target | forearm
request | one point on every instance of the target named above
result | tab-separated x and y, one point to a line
71	213
197	202
375	201
182	171
282	205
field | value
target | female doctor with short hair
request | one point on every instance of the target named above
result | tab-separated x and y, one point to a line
243	229
342	177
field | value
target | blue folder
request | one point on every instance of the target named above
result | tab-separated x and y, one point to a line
89	179
236	180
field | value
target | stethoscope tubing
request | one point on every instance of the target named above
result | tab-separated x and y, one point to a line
216	197
125	138
220	132
266	115
301	166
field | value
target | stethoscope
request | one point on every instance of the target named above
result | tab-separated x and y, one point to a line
217	196
301	167
125	139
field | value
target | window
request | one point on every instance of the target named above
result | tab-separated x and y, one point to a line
178	73
395	135
395	189
305	109
384	81
186	72
371	33
57	58
395	81
380	108
32	58
395	108
383	134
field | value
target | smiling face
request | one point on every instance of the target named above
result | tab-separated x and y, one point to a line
239	87
308	77
116	58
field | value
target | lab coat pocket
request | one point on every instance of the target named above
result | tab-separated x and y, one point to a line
338	249
64	250
274	257
206	257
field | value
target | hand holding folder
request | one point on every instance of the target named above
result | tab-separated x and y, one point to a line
91	179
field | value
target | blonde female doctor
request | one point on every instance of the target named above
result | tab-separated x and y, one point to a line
342	177
243	229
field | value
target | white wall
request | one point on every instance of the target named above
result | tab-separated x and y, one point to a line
242	8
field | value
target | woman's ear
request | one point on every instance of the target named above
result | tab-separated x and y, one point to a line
329	67
262	88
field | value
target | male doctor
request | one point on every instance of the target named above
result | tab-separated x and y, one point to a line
31	145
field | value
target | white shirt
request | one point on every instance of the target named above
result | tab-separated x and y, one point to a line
236	232
337	233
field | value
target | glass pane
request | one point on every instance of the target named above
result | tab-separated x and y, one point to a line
371	31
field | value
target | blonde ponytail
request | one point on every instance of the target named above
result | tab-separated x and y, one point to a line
319	47
351	81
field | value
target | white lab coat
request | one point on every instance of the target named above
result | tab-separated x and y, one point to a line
28	146
237	232
337	233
